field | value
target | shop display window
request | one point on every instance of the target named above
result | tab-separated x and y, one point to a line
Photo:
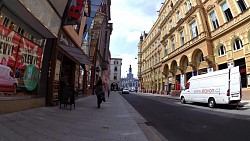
20	57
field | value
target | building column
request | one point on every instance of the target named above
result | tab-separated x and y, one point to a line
85	81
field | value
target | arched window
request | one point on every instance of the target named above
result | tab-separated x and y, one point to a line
115	69
221	50
237	44
201	57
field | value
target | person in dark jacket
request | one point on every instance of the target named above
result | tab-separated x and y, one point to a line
99	92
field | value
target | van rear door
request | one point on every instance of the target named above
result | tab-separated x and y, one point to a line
235	84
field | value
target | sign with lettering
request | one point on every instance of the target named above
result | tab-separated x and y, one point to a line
207	91
30	54
9	41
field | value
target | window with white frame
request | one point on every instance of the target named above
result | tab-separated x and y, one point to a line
214	20
242	5
221	50
194	29
170	24
237	44
173	44
227	11
182	38
166	50
188	5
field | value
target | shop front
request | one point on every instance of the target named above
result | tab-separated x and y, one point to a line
21	52
69	68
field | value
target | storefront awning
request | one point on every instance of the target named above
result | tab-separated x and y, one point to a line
76	53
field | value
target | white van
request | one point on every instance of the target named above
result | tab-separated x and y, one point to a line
219	87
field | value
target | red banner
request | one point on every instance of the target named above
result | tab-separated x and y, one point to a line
9	41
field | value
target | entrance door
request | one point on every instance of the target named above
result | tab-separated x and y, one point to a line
242	66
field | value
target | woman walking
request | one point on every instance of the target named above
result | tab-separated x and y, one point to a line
99	93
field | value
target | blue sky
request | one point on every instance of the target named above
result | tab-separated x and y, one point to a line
130	18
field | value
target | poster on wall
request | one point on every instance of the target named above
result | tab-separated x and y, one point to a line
248	79
182	82
56	80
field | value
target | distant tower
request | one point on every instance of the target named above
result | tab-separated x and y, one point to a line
130	69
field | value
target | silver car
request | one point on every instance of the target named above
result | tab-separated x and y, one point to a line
125	91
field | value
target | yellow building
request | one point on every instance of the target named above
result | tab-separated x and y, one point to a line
196	36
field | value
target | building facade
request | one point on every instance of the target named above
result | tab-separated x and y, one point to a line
196	37
130	82
115	73
99	36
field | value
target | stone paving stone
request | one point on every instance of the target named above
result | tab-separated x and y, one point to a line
112	122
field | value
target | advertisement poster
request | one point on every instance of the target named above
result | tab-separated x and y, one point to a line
20	61
57	80
182	82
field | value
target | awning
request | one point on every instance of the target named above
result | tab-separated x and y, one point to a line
76	53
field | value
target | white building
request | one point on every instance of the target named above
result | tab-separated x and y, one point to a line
130	82
115	73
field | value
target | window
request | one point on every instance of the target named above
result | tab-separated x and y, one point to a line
173	44
221	50
214	20
166	50
188	5
20	31
171	24
178	15
182	38
201	58
194	29
77	27
242	5
237	44
188	85
6	22
227	11
115	69
115	77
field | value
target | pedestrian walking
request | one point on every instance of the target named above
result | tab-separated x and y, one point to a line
108	92
99	92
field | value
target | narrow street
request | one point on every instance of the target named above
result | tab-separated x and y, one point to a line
178	122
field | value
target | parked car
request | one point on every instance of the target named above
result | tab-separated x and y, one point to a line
125	91
8	83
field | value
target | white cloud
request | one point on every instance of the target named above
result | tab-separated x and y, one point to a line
130	18
133	36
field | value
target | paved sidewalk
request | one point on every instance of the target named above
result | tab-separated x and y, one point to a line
112	122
